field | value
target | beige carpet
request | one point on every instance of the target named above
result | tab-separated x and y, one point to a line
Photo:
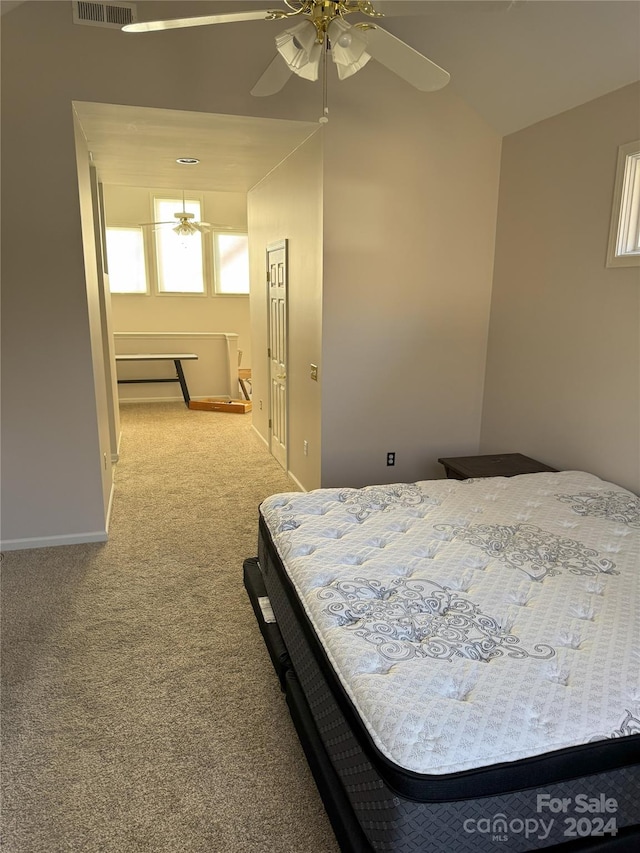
140	709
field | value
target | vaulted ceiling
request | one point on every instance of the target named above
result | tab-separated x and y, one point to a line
516	62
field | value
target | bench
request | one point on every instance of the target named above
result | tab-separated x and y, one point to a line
176	358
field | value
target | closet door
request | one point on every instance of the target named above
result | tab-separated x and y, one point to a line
277	290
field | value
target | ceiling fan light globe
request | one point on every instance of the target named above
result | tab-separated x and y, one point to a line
185	229
345	71
348	48
300	50
311	70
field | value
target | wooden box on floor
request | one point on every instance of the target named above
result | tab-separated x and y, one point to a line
240	407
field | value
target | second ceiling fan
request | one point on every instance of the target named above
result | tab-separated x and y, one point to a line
185	223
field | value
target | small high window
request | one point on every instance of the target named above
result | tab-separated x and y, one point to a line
624	237
125	259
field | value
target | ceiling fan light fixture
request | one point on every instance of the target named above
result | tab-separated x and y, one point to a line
301	50
348	48
185	229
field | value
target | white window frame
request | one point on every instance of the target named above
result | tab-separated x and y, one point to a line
624	234
147	278
216	263
159	291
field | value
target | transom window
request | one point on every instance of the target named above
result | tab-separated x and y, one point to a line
152	259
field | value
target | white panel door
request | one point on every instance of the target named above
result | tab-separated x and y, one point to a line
277	289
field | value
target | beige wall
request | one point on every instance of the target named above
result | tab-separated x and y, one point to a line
410	183
51	441
401	361
409	222
563	371
172	312
287	204
388	306
49	408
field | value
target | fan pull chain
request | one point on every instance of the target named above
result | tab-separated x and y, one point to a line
324	118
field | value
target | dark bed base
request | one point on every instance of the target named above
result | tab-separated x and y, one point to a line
345	824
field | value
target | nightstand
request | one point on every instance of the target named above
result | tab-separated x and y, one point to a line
499	465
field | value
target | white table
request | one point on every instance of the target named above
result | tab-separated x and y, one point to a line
176	357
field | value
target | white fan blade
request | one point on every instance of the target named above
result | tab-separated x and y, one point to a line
149	224
273	79
204	20
404	61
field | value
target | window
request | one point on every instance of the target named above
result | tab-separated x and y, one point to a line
180	265
231	253
125	257
624	237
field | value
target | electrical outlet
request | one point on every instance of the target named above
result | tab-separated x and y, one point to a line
314	372
260	404
391	458
305	448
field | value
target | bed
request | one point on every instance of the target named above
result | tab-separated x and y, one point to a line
461	659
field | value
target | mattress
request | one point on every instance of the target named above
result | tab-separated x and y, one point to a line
469	653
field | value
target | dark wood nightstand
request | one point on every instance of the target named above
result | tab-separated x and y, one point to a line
499	465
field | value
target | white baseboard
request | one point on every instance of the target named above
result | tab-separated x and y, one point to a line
296	481
261	437
51	541
110	504
115	457
289	474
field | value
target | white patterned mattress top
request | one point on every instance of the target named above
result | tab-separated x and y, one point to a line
473	622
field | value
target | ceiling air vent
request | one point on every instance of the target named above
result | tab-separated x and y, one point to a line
114	15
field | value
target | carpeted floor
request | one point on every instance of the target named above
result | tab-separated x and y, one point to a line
140	711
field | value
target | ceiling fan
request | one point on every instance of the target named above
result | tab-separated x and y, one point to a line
321	28
186	224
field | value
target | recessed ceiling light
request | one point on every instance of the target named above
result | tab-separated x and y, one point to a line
187	161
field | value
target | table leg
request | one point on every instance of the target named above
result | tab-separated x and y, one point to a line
182	381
